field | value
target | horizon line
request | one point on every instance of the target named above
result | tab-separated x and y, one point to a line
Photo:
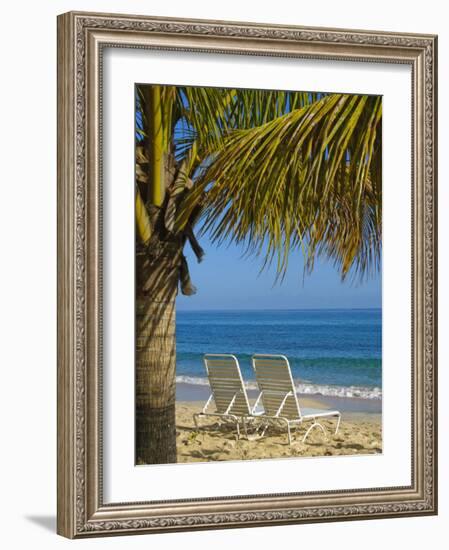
285	309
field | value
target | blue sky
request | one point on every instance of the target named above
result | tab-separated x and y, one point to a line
225	280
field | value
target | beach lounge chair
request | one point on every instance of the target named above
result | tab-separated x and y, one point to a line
228	392
279	399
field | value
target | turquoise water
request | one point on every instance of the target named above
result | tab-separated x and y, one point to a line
331	352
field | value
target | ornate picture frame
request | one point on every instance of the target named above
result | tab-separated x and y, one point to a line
82	511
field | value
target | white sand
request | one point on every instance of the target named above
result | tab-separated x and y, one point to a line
359	433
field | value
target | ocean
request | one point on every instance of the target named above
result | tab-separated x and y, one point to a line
335	352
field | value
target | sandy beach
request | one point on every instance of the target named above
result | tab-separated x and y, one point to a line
360	433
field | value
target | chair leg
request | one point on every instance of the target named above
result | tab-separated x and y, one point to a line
264	429
315	423
338	424
245	429
195	421
289	432
260	429
236	420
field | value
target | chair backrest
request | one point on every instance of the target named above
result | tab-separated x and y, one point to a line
274	378
225	379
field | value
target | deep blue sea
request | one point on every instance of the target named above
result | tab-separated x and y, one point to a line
331	352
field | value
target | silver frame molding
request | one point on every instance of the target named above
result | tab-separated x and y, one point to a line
81	38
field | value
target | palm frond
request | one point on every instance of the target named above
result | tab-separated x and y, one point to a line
144	227
278	171
278	186
212	113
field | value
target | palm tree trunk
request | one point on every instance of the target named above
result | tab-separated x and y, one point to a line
158	266
156	288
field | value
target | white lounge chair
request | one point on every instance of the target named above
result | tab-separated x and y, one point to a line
278	396
228	392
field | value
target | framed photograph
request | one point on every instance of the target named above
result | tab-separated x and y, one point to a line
247	276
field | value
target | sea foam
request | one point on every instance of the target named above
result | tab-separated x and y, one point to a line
303	388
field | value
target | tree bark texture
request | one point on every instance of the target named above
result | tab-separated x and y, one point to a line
157	277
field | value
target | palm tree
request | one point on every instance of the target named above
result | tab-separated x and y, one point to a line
275	172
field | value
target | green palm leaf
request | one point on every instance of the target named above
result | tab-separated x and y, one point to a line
278	185
278	171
